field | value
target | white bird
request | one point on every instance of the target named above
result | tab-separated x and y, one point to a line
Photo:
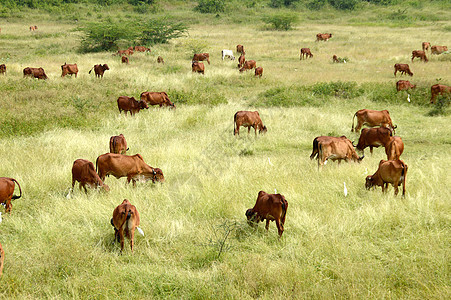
345	190
270	162
68	194
408	97
344	60
140	231
275	191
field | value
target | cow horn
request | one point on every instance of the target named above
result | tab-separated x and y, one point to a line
396	126
360	158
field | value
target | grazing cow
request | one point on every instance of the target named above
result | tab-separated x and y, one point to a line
305	52
403	68
372	118
248	65
335	59
69	69
2	259
321	139
125	52
198	67
99	70
118	144
438	49
373	138
259	71
33	28
160	60
241	61
404	85
323	36
420	54
130	104
38	73
227	53
7	190
336	149
125	220
240	49
142	49
3	69
272	207
202	57
426	46
124	60
248	119
389	171
439	89
394	148
133	167
157	98
84	172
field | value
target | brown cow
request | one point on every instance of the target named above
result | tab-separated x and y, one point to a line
372	118
335	59
259	71
323	36
404	85
373	138
248	119
3	69
33	28
202	57
141	49
438	49
118	144
38	73
125	52
420	54
389	171
130	104
336	149
240	49
272	207
69	69
241	61
198	67
6	192
157	98
125	220
403	68
305	52
124	60
84	172
133	167
426	46
394	148
160	60
248	65
99	70
439	89
2	259
320	139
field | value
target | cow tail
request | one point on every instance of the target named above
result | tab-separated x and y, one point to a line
90	70
352	129
320	154
114	145
234	123
315	147
404	173
96	165
20	190
284	210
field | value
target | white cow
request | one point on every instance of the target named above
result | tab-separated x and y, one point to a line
228	53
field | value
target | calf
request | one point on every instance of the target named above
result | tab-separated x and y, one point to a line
305	52
157	98
118	144
372	118
125	220
160	60
248	65
403	68
2	259
240	49
438	49
272	207
3	69
259	71
389	171
70	69
420	54
335	59
248	119
198	67
227	53
84	172
426	46
404	85
99	70
439	89
38	73
124	60
336	149
7	186
241	61
202	57
394	148
130	104
373	138
323	36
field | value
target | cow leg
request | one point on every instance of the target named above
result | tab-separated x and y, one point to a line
279	227
84	186
248	129
8	206
121	237
132	236
255	127
267	224
371	150
395	185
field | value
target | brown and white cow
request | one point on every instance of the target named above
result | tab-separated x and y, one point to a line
439	89
403	68
99	70
125	220
323	36
3	69
70	69
305	53
372	118
202	57
125	103
426	46
157	98
321	139
240	49
7	186
248	65
160	60
198	67
124	60
259	71
394	148
336	149
272	207
389	171
142	49
438	49
374	138
420	54
84	172
133	167
118	144
241	61
248	119
404	85
2	259
38	73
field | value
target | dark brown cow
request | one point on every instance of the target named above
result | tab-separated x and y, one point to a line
372	118
3	69
426	46
130	104
248	65
84	172
420	54
202	57
125	220
124	59
305	53
99	70
38	73
335	59
157	98
394	148
259	71
2	259
373	138
118	144
403	68
240	49
133	167
321	139
70	69
241	61
198	67
438	49
125	52
323	36
389	171
248	119
439	89
142	49
272	207
6	192
404	85
336	149
160	60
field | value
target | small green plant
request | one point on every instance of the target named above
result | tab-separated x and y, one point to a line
280	21
440	107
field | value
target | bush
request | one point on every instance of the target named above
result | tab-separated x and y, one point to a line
160	31
338	89
316	4
280	3
344	4
210	6
282	21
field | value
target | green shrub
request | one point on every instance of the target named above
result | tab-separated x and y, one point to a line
280	21
160	31
316	4
210	6
337	89
344	4
281	3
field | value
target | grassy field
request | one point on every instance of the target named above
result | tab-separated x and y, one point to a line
197	243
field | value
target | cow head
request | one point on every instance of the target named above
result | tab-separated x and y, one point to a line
105	67
158	175
142	104
252	217
369	182
262	129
